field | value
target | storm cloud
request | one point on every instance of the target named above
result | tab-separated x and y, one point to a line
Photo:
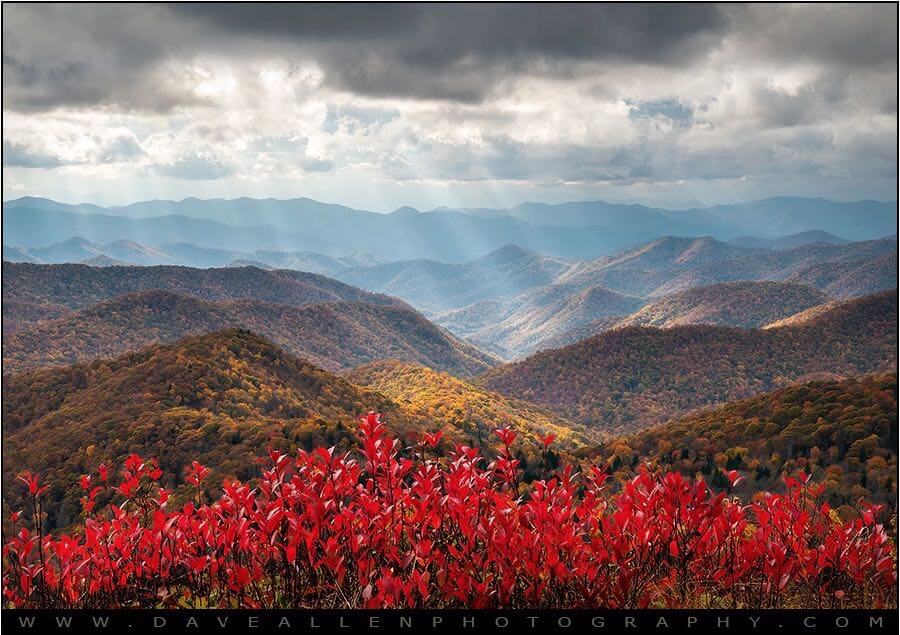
552	100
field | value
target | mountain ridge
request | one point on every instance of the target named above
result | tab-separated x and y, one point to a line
635	377
331	335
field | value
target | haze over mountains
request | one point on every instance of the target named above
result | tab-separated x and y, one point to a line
509	302
570	230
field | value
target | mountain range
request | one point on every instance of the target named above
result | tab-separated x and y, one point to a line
569	230
511	302
759	337
755	285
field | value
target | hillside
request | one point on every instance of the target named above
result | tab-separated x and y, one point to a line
632	378
221	399
843	432
436	286
18	314
463	411
78	286
332	335
224	399
811	237
742	304
589	329
802	317
79	249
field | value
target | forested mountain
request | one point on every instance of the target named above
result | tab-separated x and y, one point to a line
77	286
221	399
804	316
12	253
18	314
464	410
435	286
635	377
332	335
743	304
842	432
76	250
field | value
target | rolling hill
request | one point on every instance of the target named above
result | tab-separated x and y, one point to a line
842	432
850	279
78	286
635	377
332	335
742	304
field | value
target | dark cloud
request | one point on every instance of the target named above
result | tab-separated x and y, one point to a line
82	55
463	52
861	35
93	54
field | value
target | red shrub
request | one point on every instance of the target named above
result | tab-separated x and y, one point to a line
321	530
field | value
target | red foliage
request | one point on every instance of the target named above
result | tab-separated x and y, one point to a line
321	530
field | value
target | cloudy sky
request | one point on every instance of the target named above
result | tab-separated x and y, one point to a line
384	105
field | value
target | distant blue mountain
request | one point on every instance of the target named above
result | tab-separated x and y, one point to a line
569	230
767	218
